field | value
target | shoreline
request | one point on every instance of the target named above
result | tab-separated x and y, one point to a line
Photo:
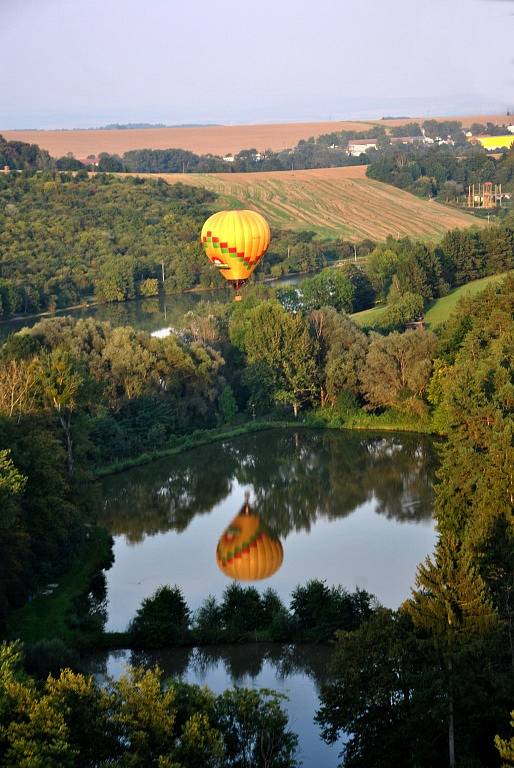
207	437
90	304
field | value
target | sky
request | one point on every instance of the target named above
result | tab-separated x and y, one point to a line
84	63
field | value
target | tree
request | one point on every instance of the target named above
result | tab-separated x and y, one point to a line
269	335
63	383
329	288
341	352
162	619
452	606
227	405
398	369
255	729
506	747
381	690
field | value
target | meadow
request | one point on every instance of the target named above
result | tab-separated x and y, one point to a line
439	310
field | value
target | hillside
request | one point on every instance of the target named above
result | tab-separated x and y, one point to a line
440	310
215	139
331	201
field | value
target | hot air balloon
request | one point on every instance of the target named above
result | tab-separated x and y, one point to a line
235	242
245	551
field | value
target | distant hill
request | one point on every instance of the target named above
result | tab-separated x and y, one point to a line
137	126
206	139
334	202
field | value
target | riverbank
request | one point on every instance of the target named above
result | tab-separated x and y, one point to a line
53	612
197	289
388	421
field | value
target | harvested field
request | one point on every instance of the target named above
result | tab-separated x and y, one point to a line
335	202
466	120
216	139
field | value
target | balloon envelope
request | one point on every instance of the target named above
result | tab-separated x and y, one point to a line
246	552
235	242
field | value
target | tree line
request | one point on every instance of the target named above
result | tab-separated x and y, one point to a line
244	615
441	171
431	683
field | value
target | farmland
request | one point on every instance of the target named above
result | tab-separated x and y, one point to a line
334	202
215	139
212	139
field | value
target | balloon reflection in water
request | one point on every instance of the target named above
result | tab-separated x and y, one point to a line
246	552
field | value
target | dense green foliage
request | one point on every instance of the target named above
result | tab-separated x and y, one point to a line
20	156
446	657
136	721
244	614
442	171
65	238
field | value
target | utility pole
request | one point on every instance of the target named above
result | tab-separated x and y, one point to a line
355	252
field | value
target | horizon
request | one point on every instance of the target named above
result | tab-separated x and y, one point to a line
168	68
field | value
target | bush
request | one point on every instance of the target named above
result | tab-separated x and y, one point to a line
163	619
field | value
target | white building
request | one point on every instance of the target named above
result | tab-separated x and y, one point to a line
358	147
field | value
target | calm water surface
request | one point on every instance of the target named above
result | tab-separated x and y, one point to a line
353	508
152	314
297	672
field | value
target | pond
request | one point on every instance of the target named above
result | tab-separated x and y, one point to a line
296	672
353	508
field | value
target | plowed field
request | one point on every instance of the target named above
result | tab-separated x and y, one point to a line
331	201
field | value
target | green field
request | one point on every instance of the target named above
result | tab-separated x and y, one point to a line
439	310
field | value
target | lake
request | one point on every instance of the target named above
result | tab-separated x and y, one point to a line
354	508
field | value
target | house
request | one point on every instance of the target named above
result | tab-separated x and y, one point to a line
229	158
358	147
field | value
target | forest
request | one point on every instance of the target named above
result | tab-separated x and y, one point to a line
77	394
81	397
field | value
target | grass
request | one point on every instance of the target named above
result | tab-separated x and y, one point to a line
46	616
441	309
197	438
368	317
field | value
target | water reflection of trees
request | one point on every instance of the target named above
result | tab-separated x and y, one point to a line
296	478
239	662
